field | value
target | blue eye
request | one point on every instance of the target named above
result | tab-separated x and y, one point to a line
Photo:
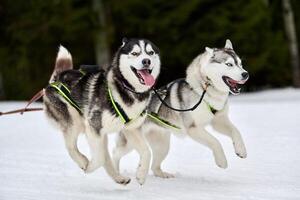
229	64
134	53
151	53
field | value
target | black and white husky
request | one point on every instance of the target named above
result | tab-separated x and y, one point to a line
126	83
218	71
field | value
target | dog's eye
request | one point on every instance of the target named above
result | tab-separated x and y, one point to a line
134	53
151	53
229	64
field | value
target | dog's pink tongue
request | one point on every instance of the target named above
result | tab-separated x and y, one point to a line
148	78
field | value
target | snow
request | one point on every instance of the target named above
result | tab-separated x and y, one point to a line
34	163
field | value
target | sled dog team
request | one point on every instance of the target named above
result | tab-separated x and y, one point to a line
121	99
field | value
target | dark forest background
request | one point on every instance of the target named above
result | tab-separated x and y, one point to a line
31	31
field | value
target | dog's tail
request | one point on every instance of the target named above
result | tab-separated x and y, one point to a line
63	62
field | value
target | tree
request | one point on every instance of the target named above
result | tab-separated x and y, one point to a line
290	30
102	49
29	41
2	94
31	31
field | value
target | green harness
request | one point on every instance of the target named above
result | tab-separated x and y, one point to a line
213	110
64	91
154	117
118	109
125	119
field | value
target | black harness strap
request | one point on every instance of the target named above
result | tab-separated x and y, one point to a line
66	94
123	113
214	111
177	109
156	118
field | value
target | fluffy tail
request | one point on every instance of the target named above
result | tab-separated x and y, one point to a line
63	62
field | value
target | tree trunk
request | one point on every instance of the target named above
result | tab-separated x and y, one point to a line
2	94
266	2
290	30
102	49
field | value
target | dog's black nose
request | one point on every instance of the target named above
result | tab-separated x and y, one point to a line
245	75
146	62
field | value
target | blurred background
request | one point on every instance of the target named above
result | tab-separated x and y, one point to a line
264	33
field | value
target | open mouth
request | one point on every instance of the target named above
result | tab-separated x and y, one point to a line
234	86
144	76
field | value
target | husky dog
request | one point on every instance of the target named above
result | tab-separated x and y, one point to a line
219	71
127	84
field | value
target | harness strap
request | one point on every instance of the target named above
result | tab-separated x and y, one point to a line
64	91
66	94
154	116
212	109
125	119
178	109
123	116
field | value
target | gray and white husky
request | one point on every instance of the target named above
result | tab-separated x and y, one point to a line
219	71
134	70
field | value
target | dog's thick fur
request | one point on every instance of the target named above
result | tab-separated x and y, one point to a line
220	69
135	60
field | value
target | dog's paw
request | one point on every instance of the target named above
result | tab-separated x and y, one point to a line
240	150
221	161
161	174
141	176
122	180
141	180
92	166
83	163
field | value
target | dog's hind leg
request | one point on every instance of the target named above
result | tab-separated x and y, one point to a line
121	149
71	138
96	143
202	136
160	144
222	124
139	143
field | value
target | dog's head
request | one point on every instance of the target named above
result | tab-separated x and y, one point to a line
139	63
224	69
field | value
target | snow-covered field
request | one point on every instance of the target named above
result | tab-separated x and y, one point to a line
35	165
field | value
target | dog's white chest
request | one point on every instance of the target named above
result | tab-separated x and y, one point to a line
113	123
215	99
202	114
136	123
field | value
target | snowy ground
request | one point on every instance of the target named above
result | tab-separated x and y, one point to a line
35	165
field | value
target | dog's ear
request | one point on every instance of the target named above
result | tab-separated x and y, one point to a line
228	44
124	41
209	50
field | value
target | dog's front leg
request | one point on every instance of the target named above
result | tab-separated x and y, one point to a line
121	149
109	167
100	156
199	134
139	143
222	124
